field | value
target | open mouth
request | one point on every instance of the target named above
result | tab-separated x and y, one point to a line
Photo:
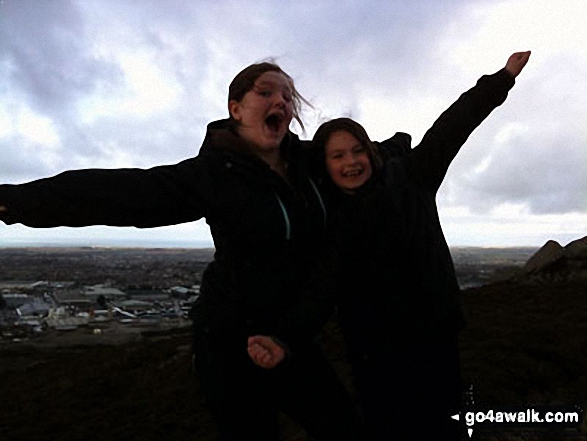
352	173
274	122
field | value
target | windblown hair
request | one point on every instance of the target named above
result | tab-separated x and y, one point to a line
352	127
244	81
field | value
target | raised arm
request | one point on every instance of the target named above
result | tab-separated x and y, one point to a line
163	195
449	132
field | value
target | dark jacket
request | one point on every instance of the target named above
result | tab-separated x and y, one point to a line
267	232
396	280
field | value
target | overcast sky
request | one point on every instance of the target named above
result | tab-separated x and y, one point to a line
99	83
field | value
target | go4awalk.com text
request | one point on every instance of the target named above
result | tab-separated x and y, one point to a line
532	417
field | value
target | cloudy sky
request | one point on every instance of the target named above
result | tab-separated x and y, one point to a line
105	83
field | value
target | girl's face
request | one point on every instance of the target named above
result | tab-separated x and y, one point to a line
264	113
347	161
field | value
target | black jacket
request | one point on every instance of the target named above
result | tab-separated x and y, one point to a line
396	280
267	232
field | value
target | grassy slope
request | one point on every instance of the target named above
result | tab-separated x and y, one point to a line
524	344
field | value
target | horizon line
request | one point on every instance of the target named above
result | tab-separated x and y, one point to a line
117	244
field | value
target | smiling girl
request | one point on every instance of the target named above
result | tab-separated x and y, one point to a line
399	304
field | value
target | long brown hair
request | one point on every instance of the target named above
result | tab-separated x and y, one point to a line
244	81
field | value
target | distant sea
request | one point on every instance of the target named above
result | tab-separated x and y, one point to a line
150	243
105	243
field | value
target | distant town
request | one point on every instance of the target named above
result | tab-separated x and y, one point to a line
98	289
107	290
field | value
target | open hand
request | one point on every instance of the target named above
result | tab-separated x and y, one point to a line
264	351
516	63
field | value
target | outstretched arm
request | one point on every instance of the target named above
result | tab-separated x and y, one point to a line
449	132
158	196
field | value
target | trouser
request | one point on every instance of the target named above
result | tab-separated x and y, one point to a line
409	392
244	399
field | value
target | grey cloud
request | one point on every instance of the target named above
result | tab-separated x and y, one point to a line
337	52
349	40
547	174
341	52
543	166
46	48
17	165
147	141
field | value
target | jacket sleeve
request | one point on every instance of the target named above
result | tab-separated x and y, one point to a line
164	195
449	132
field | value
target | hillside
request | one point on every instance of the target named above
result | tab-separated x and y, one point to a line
525	344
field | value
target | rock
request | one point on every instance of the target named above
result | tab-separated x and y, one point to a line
553	262
577	249
576	255
545	258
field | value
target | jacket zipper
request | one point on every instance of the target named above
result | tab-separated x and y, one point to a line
319	196
285	217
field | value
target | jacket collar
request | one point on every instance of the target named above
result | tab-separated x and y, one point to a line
222	134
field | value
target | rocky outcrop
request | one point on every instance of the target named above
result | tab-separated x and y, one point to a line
547	257
577	250
556	262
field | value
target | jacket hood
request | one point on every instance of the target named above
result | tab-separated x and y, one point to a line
398	145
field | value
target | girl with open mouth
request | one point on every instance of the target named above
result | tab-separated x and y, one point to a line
267	218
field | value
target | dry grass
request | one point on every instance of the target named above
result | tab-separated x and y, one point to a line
525	344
